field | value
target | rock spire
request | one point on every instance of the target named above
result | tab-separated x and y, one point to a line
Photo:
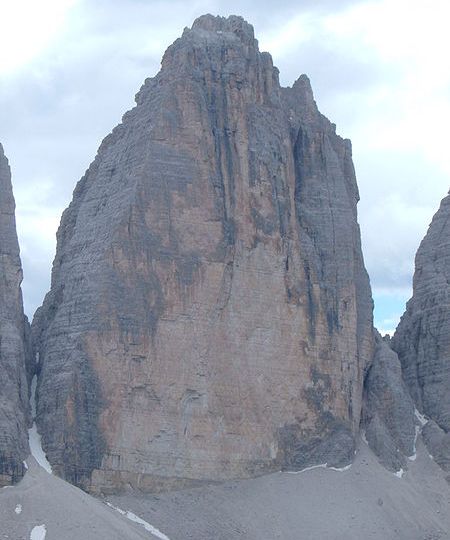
210	315
14	341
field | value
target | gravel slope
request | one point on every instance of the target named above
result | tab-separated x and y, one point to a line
67	512
365	501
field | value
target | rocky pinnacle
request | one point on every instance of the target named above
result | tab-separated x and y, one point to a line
388	421
422	339
210	315
14	339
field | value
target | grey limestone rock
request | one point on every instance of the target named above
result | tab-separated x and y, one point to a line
438	443
388	421
14	341
210	315
422	338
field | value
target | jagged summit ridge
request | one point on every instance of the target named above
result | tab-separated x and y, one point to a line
219	47
210	315
233	24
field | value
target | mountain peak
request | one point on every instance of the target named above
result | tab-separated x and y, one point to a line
232	24
218	203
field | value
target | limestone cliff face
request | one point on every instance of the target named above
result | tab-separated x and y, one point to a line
422	339
388	419
13	341
209	315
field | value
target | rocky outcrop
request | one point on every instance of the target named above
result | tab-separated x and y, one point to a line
422	338
438	443
209	315
14	343
389	421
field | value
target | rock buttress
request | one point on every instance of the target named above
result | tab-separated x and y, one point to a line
14	341
388	412
422	338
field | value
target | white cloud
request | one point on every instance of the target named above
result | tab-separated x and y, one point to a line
379	70
29	27
280	40
410	38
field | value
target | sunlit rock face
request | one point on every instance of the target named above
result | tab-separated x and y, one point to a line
210	315
14	341
422	339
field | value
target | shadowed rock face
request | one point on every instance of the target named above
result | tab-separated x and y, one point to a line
14	333
388	420
422	338
437	441
209	315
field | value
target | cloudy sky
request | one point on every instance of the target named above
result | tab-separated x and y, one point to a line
69	69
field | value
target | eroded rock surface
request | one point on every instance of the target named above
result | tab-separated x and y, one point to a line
438	443
389	421
209	315
14	334
422	339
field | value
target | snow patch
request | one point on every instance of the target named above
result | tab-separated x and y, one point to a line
133	517
33	436
18	509
25	465
340	469
36	449
420	417
38	533
414	455
422	420
321	466
400	473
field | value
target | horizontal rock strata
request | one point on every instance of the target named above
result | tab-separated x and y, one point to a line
422	338
210	315
14	341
